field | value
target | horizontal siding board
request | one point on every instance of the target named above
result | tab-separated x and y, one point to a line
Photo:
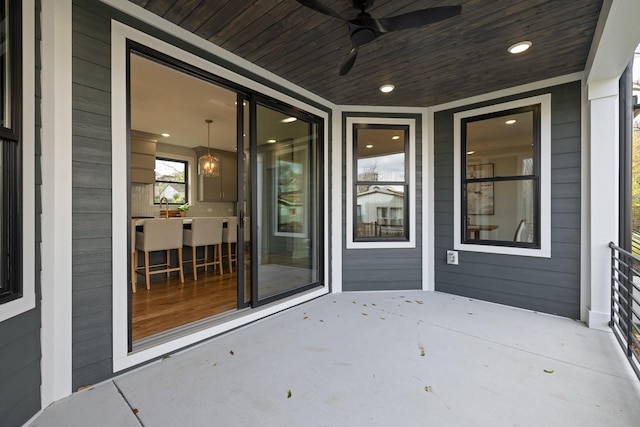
91	150
86	98
566	145
385	285
90	176
565	205
91	75
565	130
88	301
91	200
566	175
92	50
86	22
90	226
91	125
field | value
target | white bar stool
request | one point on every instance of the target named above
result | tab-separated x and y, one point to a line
204	232
159	235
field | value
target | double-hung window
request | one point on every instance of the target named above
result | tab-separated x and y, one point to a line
502	182
10	152
380	183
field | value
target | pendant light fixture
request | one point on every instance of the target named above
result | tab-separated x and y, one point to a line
209	165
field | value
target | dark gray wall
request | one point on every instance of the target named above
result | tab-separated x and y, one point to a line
550	285
384	269
91	186
91	182
20	351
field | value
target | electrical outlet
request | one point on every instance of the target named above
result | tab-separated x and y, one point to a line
452	257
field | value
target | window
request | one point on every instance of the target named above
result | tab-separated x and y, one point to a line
171	181
10	152
502	185
380	182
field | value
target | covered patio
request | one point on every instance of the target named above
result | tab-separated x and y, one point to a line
377	359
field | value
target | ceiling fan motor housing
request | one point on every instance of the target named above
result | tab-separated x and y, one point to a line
362	4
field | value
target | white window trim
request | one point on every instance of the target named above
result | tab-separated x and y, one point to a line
381	244
28	299
545	178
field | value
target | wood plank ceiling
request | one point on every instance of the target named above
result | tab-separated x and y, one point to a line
454	59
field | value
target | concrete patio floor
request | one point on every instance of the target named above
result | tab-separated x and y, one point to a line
377	359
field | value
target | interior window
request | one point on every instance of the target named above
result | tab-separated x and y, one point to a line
380	182
501	178
171	181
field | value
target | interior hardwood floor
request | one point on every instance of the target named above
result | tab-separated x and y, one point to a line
169	303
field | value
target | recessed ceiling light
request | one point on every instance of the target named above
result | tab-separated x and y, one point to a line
470	152
387	88
510	121
519	47
271	141
395	137
289	120
369	146
166	135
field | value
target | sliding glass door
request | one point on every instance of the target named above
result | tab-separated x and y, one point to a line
288	203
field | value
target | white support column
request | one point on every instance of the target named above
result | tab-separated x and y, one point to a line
56	200
604	195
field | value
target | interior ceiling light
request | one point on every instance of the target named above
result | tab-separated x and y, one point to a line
271	141
369	146
510	121
209	165
519	47
395	137
470	152
387	88
289	120
166	135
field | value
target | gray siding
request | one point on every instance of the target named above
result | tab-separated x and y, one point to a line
550	285
91	186
20	351
384	269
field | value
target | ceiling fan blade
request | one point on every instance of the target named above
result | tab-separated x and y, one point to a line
419	18
348	63
319	7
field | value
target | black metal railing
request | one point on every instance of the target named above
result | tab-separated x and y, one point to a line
625	303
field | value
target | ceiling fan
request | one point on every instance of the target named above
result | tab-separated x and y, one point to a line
364	28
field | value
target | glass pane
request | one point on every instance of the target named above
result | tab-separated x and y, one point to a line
381	154
502	211
498	146
287	196
168	170
5	68
175	193
380	212
247	204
